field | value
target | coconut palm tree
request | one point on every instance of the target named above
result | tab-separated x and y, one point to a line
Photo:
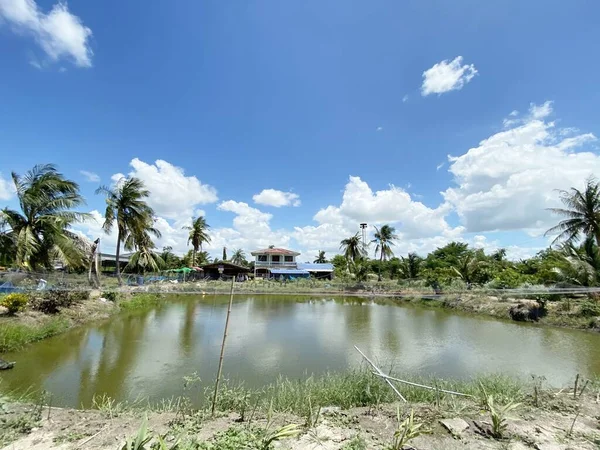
40	231
384	238
126	206
411	266
579	264
352	248
582	213
320	259
144	257
239	257
198	235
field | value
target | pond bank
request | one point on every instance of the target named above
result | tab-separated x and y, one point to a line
353	411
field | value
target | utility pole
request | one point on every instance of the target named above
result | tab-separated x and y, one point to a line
363	227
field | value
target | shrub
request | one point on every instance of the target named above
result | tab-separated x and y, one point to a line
51	301
589	309
110	295
14	302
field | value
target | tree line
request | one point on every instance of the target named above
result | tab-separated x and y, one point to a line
40	232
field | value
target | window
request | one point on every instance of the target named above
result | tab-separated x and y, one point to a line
275	258
289	259
262	258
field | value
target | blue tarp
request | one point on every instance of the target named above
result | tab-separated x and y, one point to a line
316	267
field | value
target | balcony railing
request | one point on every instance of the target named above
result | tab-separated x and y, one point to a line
275	263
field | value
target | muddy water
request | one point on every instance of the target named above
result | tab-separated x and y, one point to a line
147	353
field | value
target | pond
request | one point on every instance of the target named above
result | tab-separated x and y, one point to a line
147	353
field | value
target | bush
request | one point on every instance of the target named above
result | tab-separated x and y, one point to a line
52	301
14	302
110	295
589	309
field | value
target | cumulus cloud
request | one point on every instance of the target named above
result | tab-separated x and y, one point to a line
59	33
273	197
509	180
6	189
90	176
447	76
172	193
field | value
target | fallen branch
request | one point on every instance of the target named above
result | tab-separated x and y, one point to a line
387	377
379	372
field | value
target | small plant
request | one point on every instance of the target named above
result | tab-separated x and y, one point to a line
589	309
285	432
499	416
358	443
14	303
407	430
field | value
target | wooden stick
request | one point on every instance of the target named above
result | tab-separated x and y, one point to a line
222	349
381	374
421	385
583	388
575	390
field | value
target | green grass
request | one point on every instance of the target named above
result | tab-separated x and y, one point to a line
141	301
14	336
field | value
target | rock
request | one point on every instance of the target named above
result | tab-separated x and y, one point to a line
518	446
549	446
330	410
455	426
5	365
527	311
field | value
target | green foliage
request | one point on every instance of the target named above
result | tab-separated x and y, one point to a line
40	232
14	302
139	441
320	258
407	430
198	235
352	248
499	415
51	301
589	309
140	301
357	443
15	336
110	295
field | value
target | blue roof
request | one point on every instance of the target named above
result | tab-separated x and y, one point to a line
316	267
289	272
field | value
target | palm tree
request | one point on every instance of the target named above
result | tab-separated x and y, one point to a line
352	248
40	232
579	265
144	257
582	213
198	235
320	259
239	257
384	238
411	266
126	205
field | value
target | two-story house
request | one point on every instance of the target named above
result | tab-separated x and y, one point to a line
273	258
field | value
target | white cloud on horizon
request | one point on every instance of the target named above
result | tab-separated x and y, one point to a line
90	176
447	76
6	188
59	33
277	199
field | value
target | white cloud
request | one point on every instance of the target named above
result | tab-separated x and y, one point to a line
172	194
6	189
59	33
90	176
273	197
447	76
509	180
405	98
439	166
379	128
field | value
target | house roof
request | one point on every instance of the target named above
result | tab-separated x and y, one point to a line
289	272
274	251
316	267
226	265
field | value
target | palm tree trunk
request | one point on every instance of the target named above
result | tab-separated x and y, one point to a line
193	257
117	257
598	238
380	263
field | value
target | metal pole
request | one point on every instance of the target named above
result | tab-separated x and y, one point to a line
214	404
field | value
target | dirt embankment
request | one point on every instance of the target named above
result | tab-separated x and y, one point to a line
559	423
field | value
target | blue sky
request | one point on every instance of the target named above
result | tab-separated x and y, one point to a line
298	97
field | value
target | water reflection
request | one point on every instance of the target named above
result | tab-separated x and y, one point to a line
147	353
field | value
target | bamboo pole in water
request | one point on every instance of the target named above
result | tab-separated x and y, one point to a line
214	403
379	372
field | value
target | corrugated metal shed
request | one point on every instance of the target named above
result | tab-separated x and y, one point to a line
316	267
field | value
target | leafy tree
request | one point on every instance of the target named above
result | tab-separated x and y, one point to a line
582	212
224	253
446	256
384	238
144	258
171	261
239	257
352	248
198	236
126	206
579	264
320	258
40	233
